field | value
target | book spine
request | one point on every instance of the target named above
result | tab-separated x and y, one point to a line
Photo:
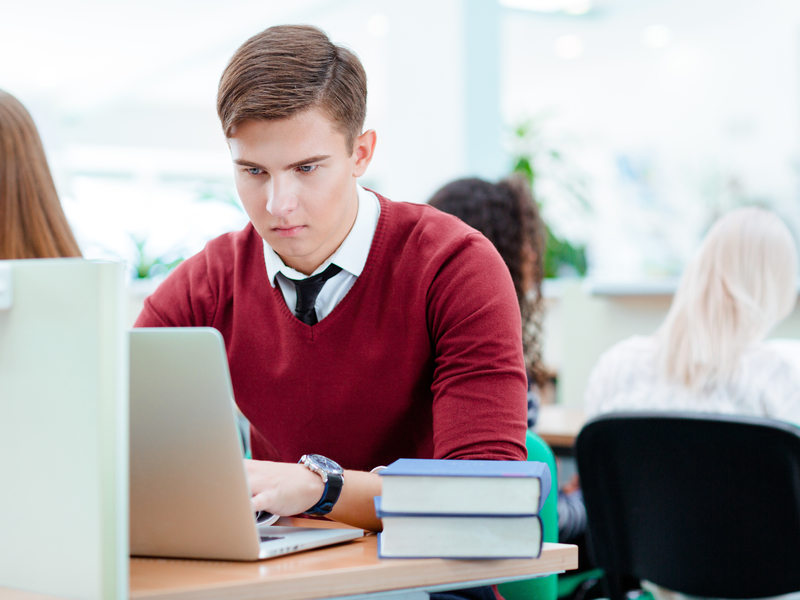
382	555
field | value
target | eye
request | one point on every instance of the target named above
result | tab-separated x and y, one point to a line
307	168
254	170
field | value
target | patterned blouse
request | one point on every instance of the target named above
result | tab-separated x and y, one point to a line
626	378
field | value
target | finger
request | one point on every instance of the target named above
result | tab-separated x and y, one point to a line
257	503
262	501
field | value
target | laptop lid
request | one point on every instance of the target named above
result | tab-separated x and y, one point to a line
188	489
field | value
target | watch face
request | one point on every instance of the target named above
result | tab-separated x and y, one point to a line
324	463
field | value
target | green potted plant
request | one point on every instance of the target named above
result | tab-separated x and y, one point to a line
533	156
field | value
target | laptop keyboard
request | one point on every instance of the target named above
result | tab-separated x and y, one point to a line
266	538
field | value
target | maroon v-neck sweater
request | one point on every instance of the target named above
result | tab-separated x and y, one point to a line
422	358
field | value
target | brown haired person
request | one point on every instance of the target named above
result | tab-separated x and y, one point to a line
32	222
357	329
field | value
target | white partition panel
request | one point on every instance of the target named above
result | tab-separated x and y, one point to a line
63	428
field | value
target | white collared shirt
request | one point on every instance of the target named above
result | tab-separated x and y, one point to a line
351	256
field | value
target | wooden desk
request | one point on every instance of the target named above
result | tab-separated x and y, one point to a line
559	426
347	569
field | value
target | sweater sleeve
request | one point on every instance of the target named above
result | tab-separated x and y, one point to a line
184	299
479	383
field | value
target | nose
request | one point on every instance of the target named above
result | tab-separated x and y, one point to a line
281	199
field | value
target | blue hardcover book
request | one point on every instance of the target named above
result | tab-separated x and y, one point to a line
458	536
466	487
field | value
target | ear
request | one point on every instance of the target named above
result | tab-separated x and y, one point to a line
363	151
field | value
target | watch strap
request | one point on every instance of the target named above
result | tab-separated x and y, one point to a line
333	487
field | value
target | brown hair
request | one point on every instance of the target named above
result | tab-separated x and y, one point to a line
32	222
288	69
507	215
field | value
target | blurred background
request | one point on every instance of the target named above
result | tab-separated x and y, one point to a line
638	121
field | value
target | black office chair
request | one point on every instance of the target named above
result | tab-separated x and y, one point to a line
707	505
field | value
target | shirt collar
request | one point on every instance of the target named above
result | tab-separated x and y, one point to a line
351	255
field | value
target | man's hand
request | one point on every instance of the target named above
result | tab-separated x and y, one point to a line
283	489
287	489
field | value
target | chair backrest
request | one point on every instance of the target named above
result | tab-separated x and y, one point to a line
541	588
707	505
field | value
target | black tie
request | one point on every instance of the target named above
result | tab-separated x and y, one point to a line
307	292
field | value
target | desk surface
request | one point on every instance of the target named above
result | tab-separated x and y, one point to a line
347	569
559	426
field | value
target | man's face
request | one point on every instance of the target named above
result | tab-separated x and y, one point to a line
296	180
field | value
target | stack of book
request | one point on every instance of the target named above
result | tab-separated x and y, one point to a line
462	508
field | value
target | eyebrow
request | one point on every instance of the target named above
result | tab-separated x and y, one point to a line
313	159
299	163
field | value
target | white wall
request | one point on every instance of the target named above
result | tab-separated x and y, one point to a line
709	119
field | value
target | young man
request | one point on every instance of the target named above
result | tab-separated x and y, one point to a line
358	330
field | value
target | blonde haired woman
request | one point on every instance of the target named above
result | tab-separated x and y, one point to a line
32	222
709	356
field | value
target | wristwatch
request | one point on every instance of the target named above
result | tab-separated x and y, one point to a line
333	476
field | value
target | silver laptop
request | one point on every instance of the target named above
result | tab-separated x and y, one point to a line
189	496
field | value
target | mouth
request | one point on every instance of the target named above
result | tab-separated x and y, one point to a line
288	231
